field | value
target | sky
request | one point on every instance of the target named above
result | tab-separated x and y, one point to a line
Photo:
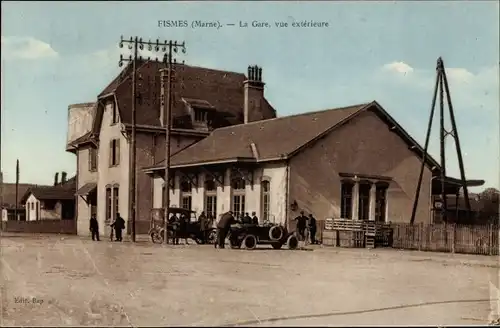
59	53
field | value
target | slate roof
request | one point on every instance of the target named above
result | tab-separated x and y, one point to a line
9	193
221	89
277	138
62	191
273	138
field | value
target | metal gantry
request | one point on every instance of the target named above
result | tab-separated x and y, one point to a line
442	86
168	47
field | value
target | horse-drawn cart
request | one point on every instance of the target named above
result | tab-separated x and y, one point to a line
190	230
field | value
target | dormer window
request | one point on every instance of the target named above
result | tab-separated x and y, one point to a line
200	115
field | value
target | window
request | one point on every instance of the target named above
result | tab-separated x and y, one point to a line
114	114
108	204
238	188
364	201
200	115
115	202
266	199
380	202
114	152
92	159
186	189
210	198
346	200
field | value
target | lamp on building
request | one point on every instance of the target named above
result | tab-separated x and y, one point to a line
294	206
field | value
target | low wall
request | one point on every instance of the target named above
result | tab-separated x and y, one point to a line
41	226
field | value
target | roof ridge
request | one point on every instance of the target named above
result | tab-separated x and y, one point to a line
295	115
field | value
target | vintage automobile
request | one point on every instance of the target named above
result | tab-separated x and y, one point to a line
248	236
190	231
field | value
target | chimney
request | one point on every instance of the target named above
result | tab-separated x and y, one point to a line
56	179
254	95
63	177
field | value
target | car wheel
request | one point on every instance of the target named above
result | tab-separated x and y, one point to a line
250	242
292	242
235	244
276	233
277	245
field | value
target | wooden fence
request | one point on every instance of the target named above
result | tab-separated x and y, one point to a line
452	238
41	226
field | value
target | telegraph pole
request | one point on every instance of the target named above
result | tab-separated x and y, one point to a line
17	188
165	118
442	86
136	44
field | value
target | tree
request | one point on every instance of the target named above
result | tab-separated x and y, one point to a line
489	204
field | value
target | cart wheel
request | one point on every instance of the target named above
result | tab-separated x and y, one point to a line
277	245
250	242
292	242
276	233
156	238
212	237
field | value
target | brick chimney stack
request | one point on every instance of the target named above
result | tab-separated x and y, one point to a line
254	95
63	177
56	178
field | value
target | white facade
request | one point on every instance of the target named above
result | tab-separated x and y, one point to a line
105	176
275	174
33	209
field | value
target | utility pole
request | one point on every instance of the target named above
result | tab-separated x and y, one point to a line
442	85
135	44
165	118
17	188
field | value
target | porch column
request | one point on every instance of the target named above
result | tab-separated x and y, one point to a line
355	199
373	195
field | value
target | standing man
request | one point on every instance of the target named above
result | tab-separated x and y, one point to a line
301	225
223	227
203	220
94	227
255	219
312	228
118	225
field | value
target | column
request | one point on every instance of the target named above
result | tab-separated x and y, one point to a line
373	197
355	199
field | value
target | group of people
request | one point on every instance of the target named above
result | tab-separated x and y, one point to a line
117	227
179	223
306	223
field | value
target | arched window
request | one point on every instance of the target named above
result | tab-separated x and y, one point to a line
265	187
210	198
238	199
186	193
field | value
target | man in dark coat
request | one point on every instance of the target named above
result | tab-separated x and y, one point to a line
255	219
301	225
246	219
223	227
118	225
175	222
312	228
94	227
203	220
